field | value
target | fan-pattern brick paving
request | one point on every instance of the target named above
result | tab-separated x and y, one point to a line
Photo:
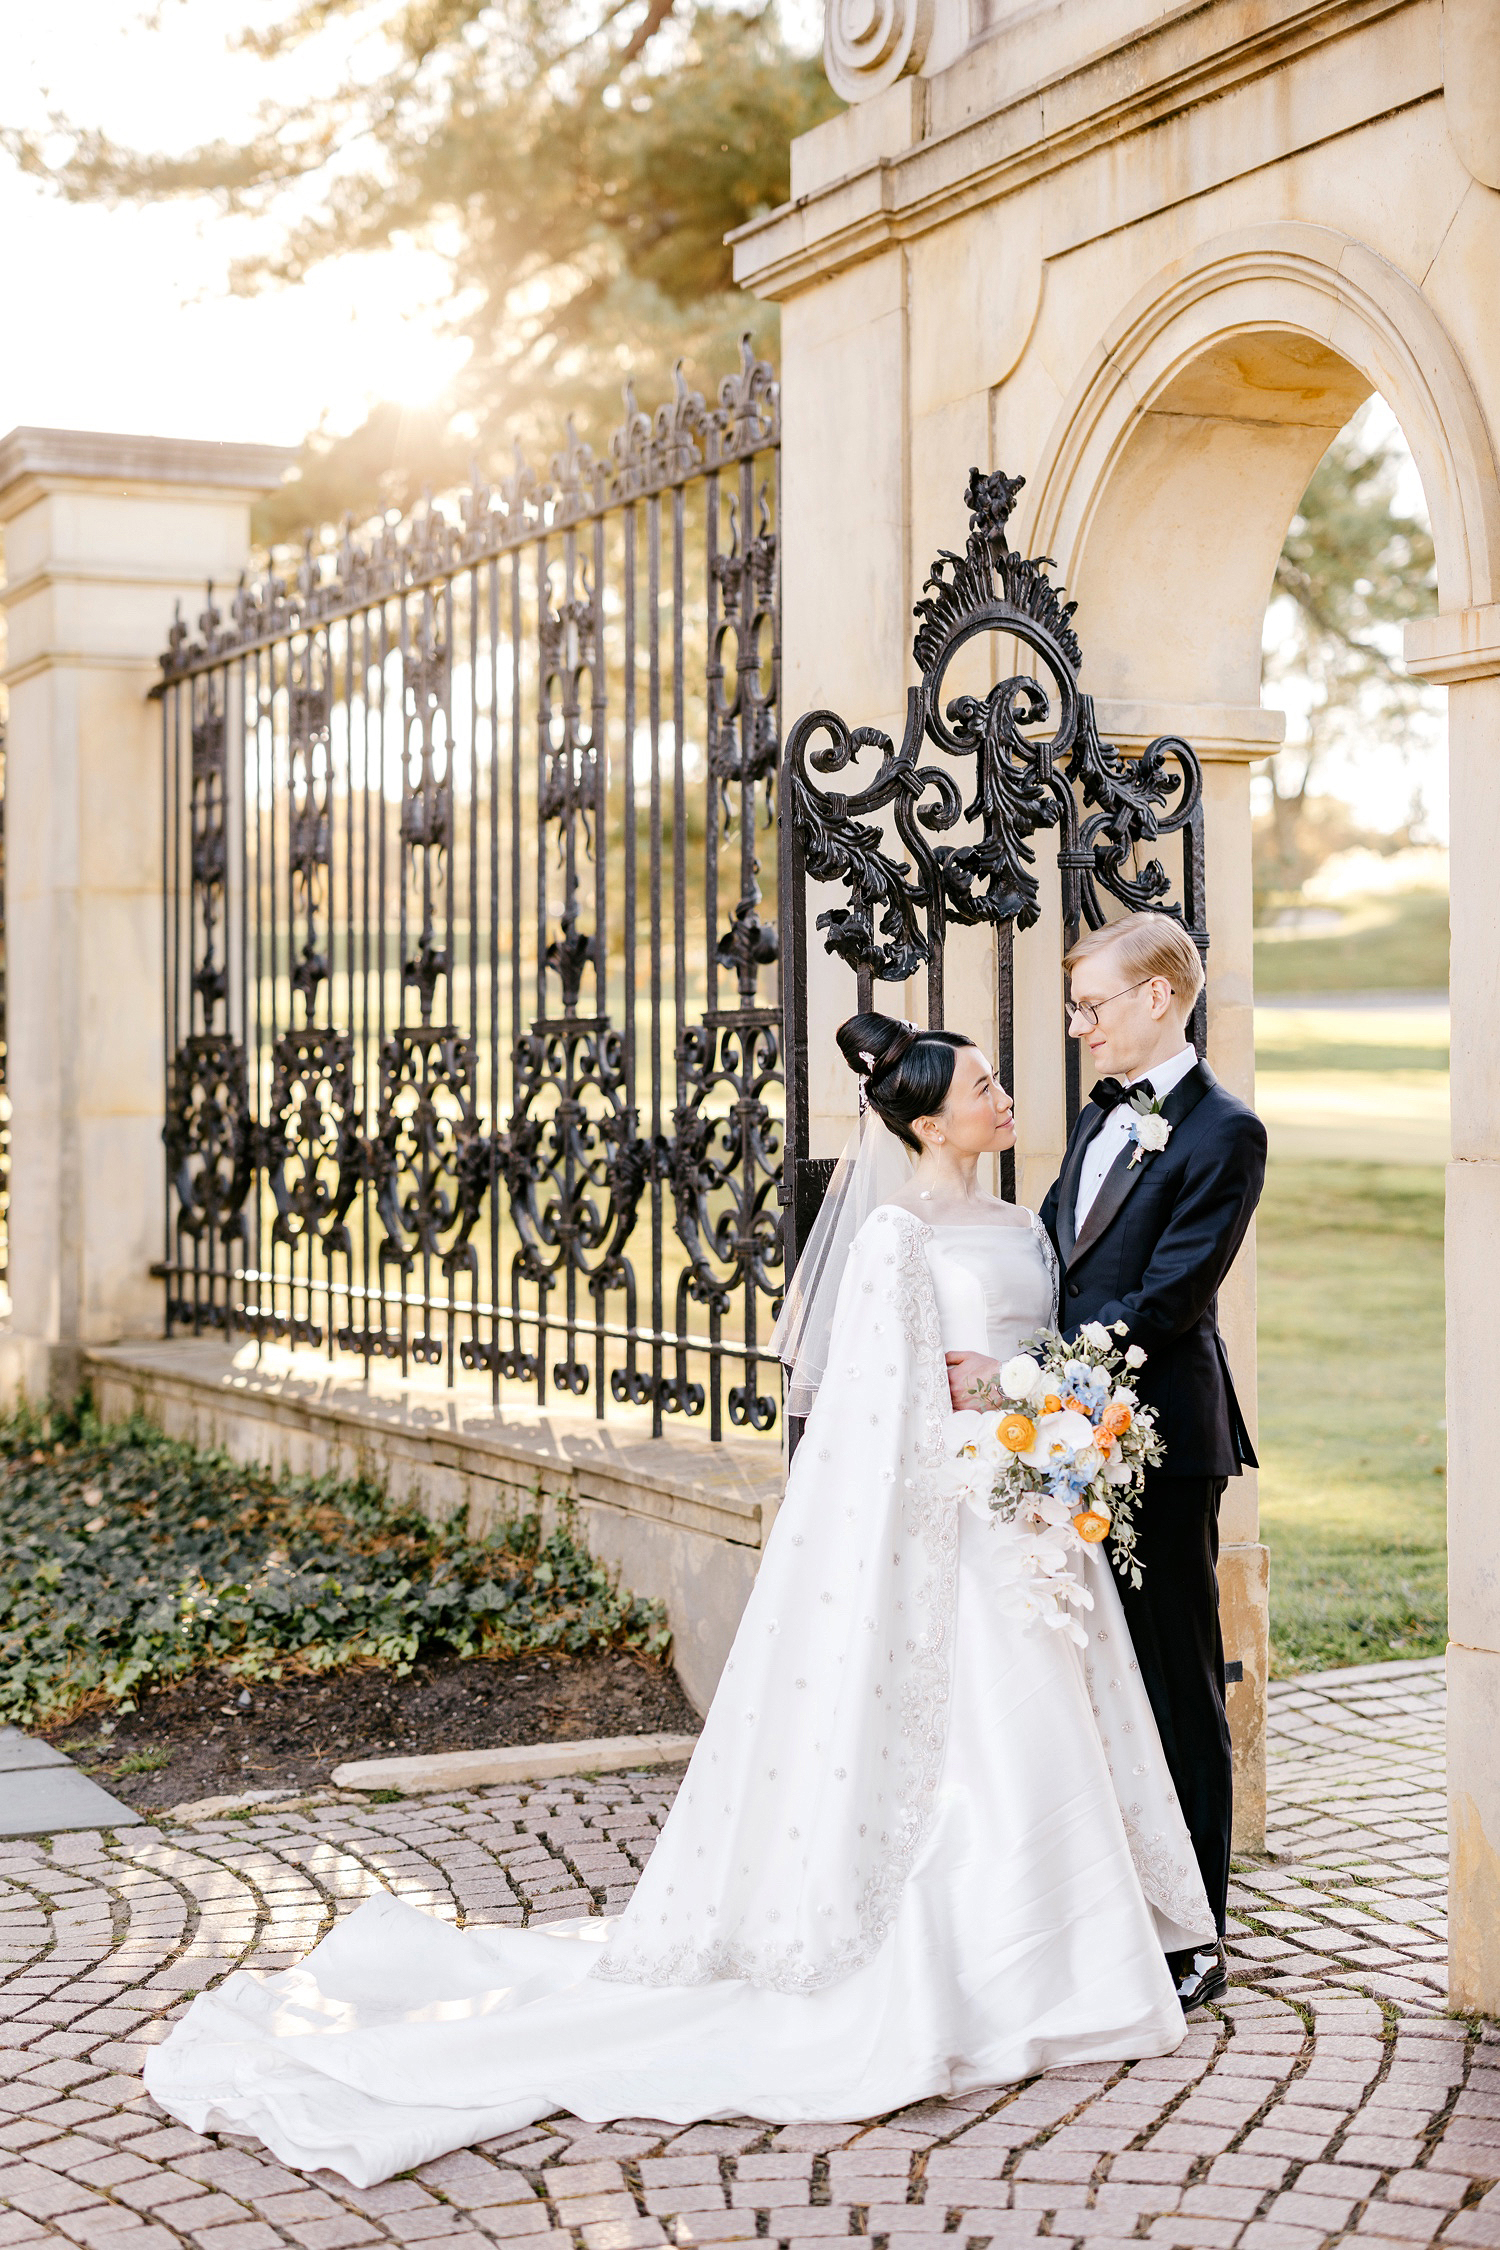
1330	2098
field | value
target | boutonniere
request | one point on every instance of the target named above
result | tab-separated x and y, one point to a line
1148	1128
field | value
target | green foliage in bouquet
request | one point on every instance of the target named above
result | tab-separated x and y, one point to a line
127	1560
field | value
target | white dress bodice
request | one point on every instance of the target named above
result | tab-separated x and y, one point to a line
993	1286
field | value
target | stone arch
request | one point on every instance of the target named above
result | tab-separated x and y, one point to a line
1191	433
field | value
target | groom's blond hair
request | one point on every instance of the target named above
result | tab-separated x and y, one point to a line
1147	945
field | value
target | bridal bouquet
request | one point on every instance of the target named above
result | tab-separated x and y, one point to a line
1062	1460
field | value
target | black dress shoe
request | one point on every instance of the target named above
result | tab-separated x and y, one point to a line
1200	1974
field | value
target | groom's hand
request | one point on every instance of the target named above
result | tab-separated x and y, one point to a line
969	1376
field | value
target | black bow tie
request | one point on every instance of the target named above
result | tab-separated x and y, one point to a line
1109	1093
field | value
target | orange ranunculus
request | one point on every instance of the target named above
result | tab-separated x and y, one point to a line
1091	1526
1075	1405
1116	1419
1052	1404
1017	1433
1103	1443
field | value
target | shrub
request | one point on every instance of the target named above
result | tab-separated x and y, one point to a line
128	1559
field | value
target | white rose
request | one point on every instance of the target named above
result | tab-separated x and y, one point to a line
1020	1376
1134	1356
1088	1461
1094	1332
1152	1131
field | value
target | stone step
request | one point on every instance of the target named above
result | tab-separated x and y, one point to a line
43	1793
529	1761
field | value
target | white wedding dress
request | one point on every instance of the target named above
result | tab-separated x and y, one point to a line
921	1847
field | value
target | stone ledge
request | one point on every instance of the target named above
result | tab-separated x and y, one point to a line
37	458
683	1479
1456	645
526	1761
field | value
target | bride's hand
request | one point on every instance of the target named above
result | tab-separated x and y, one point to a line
969	1376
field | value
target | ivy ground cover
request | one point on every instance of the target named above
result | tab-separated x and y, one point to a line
128	1561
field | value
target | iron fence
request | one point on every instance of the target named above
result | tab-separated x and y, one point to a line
472	1001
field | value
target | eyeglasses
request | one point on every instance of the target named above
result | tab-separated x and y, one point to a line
1087	1012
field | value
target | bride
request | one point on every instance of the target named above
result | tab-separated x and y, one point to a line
922	1846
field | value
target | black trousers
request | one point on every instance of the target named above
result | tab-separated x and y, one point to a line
1174	1623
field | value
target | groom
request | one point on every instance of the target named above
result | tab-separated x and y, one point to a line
1161	1177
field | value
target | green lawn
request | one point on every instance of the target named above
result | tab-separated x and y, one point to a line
1394	944
1351	1406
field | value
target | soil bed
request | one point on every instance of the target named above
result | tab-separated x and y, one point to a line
294	1731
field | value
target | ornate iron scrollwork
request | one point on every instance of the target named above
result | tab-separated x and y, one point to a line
210	1143
308	758
724	1166
1036	751
575	1167
429	1158
314	1154
1038	763
572	1158
430	1161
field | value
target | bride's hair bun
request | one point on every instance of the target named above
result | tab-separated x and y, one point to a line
907	1073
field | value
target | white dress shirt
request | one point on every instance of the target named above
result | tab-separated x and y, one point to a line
1114	1134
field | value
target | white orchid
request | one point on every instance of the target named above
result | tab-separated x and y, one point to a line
1058	1437
974	1437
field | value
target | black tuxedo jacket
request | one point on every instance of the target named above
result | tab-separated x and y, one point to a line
1158	1240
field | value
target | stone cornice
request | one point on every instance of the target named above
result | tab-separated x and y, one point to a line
33	461
1037	129
1221	733
1456	645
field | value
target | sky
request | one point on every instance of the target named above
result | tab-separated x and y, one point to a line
125	321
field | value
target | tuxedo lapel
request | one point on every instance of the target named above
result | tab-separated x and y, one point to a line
1088	1125
1123	1177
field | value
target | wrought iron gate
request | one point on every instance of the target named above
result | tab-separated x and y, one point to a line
473	1031
1031	744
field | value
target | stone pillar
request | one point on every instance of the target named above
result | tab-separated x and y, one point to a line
102	535
1462	649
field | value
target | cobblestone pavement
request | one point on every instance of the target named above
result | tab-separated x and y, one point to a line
1329	2097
